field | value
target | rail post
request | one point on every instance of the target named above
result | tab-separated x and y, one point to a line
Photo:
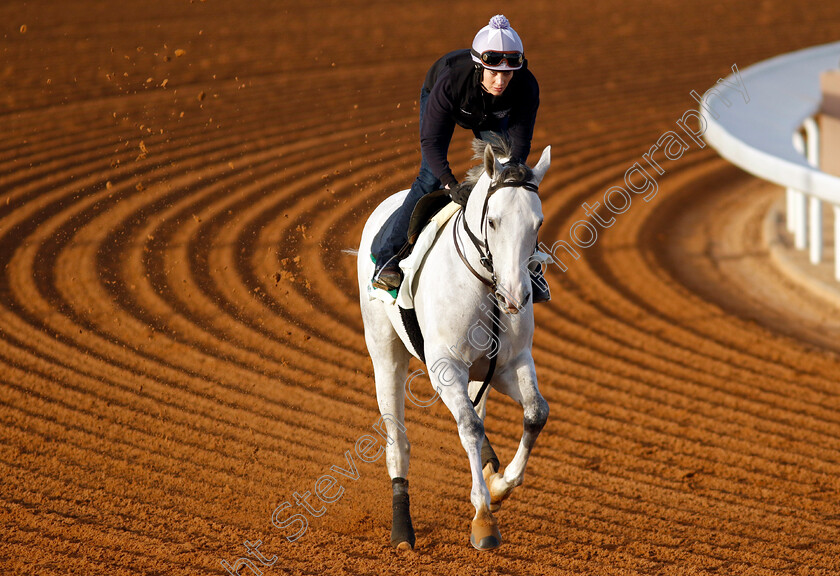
799	203
836	242
812	149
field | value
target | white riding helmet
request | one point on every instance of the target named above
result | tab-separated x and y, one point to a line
497	46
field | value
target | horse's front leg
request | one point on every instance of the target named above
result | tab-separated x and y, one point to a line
451	381
489	460
488	455
519	381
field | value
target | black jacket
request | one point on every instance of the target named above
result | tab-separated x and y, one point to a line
456	96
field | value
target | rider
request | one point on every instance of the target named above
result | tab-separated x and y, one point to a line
487	89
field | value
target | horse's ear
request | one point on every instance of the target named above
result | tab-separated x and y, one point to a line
542	166
491	165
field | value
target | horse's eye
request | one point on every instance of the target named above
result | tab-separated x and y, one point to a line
491	223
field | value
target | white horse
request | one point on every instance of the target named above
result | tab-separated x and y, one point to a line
453	300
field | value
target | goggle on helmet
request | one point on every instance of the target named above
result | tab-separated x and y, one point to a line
497	46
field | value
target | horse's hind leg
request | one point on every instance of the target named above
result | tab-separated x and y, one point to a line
520	383
390	366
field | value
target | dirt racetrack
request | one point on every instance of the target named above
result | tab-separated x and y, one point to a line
181	347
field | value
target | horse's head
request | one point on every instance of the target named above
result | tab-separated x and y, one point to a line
510	215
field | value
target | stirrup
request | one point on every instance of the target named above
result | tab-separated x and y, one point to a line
390	280
386	284
539	286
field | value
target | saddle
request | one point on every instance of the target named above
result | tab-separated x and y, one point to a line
424	211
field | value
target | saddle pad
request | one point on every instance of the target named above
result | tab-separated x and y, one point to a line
410	266
405	295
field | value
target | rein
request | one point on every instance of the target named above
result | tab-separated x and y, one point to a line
486	260
492	368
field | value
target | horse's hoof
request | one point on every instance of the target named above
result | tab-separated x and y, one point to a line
485	533
487	543
404	546
496	499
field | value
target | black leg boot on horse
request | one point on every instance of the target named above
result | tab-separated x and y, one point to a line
402	531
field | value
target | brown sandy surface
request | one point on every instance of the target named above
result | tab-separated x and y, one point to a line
180	342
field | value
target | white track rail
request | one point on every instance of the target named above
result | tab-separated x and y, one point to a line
764	137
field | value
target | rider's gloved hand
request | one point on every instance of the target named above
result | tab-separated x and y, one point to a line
460	193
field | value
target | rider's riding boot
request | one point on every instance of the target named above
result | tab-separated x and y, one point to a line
387	277
388	274
539	285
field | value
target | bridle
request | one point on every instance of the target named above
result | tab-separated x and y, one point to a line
486	259
481	245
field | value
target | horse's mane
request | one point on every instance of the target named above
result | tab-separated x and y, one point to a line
502	149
